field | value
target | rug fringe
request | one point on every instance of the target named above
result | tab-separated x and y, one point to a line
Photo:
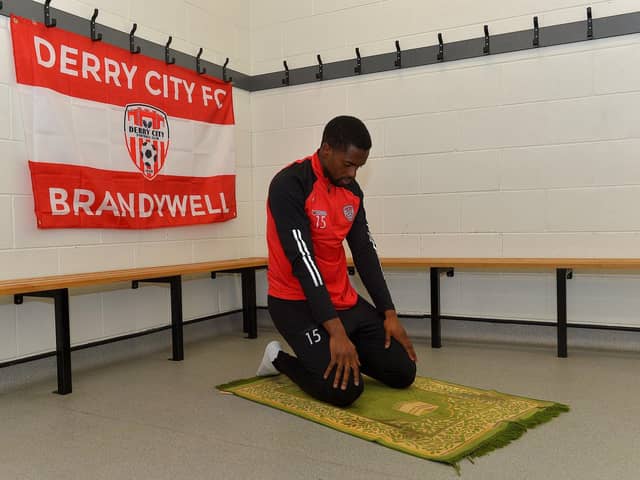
513	431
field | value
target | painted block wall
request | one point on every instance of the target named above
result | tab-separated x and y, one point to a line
530	154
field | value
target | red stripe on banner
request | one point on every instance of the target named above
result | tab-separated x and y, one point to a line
68	196
74	65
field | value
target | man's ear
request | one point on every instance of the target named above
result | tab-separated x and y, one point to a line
325	148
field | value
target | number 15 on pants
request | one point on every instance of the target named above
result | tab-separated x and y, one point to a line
313	336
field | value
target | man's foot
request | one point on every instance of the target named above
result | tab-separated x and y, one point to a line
266	367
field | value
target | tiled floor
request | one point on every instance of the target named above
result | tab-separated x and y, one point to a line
148	418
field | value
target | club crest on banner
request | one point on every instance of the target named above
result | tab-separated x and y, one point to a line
146	133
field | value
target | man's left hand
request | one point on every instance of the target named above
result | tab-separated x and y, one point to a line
393	328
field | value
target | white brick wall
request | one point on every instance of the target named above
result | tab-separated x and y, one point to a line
476	171
421	214
461	245
8	343
278	148
6	219
221	28
503	212
528	154
298	30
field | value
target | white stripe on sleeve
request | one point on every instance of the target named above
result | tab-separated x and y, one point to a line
306	257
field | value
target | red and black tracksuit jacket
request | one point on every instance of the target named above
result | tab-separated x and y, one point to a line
308	219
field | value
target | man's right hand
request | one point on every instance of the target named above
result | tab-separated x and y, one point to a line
344	356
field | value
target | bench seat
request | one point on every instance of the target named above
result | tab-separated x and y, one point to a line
57	288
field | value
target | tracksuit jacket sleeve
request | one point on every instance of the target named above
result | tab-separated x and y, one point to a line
286	202
366	261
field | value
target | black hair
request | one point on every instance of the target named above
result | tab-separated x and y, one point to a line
344	131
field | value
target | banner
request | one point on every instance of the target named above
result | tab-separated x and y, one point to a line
119	140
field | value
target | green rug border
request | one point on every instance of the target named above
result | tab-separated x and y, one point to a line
507	433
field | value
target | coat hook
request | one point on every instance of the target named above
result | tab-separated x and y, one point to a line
320	74
286	80
96	37
198	69
398	62
1	5
440	48
224	71
48	21
358	67
536	32
589	23
167	59
132	46
487	49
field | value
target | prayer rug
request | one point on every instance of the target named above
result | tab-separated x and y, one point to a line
432	419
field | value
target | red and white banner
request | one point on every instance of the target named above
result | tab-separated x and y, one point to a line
118	140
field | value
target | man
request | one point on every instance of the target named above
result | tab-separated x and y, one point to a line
313	205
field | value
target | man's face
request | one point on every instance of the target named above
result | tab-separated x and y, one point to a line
342	165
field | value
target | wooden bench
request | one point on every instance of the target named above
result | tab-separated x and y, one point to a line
563	268
57	287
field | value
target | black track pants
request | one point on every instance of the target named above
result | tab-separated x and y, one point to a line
310	342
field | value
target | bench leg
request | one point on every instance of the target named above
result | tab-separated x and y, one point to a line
249	311
562	274
176	319
436	341
63	334
175	283
63	341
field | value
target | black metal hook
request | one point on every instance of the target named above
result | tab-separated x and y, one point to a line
224	71
398	62
132	46
1	5
358	68
198	69
168	60
440	48
536	32
487	46
589	23
286	80
320	74
48	21
96	37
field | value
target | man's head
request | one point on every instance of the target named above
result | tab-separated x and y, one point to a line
345	147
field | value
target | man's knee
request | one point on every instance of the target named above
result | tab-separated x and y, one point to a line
402	377
343	398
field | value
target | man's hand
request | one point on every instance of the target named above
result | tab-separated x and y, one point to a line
344	356
393	328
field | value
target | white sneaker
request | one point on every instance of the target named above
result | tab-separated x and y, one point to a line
266	367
